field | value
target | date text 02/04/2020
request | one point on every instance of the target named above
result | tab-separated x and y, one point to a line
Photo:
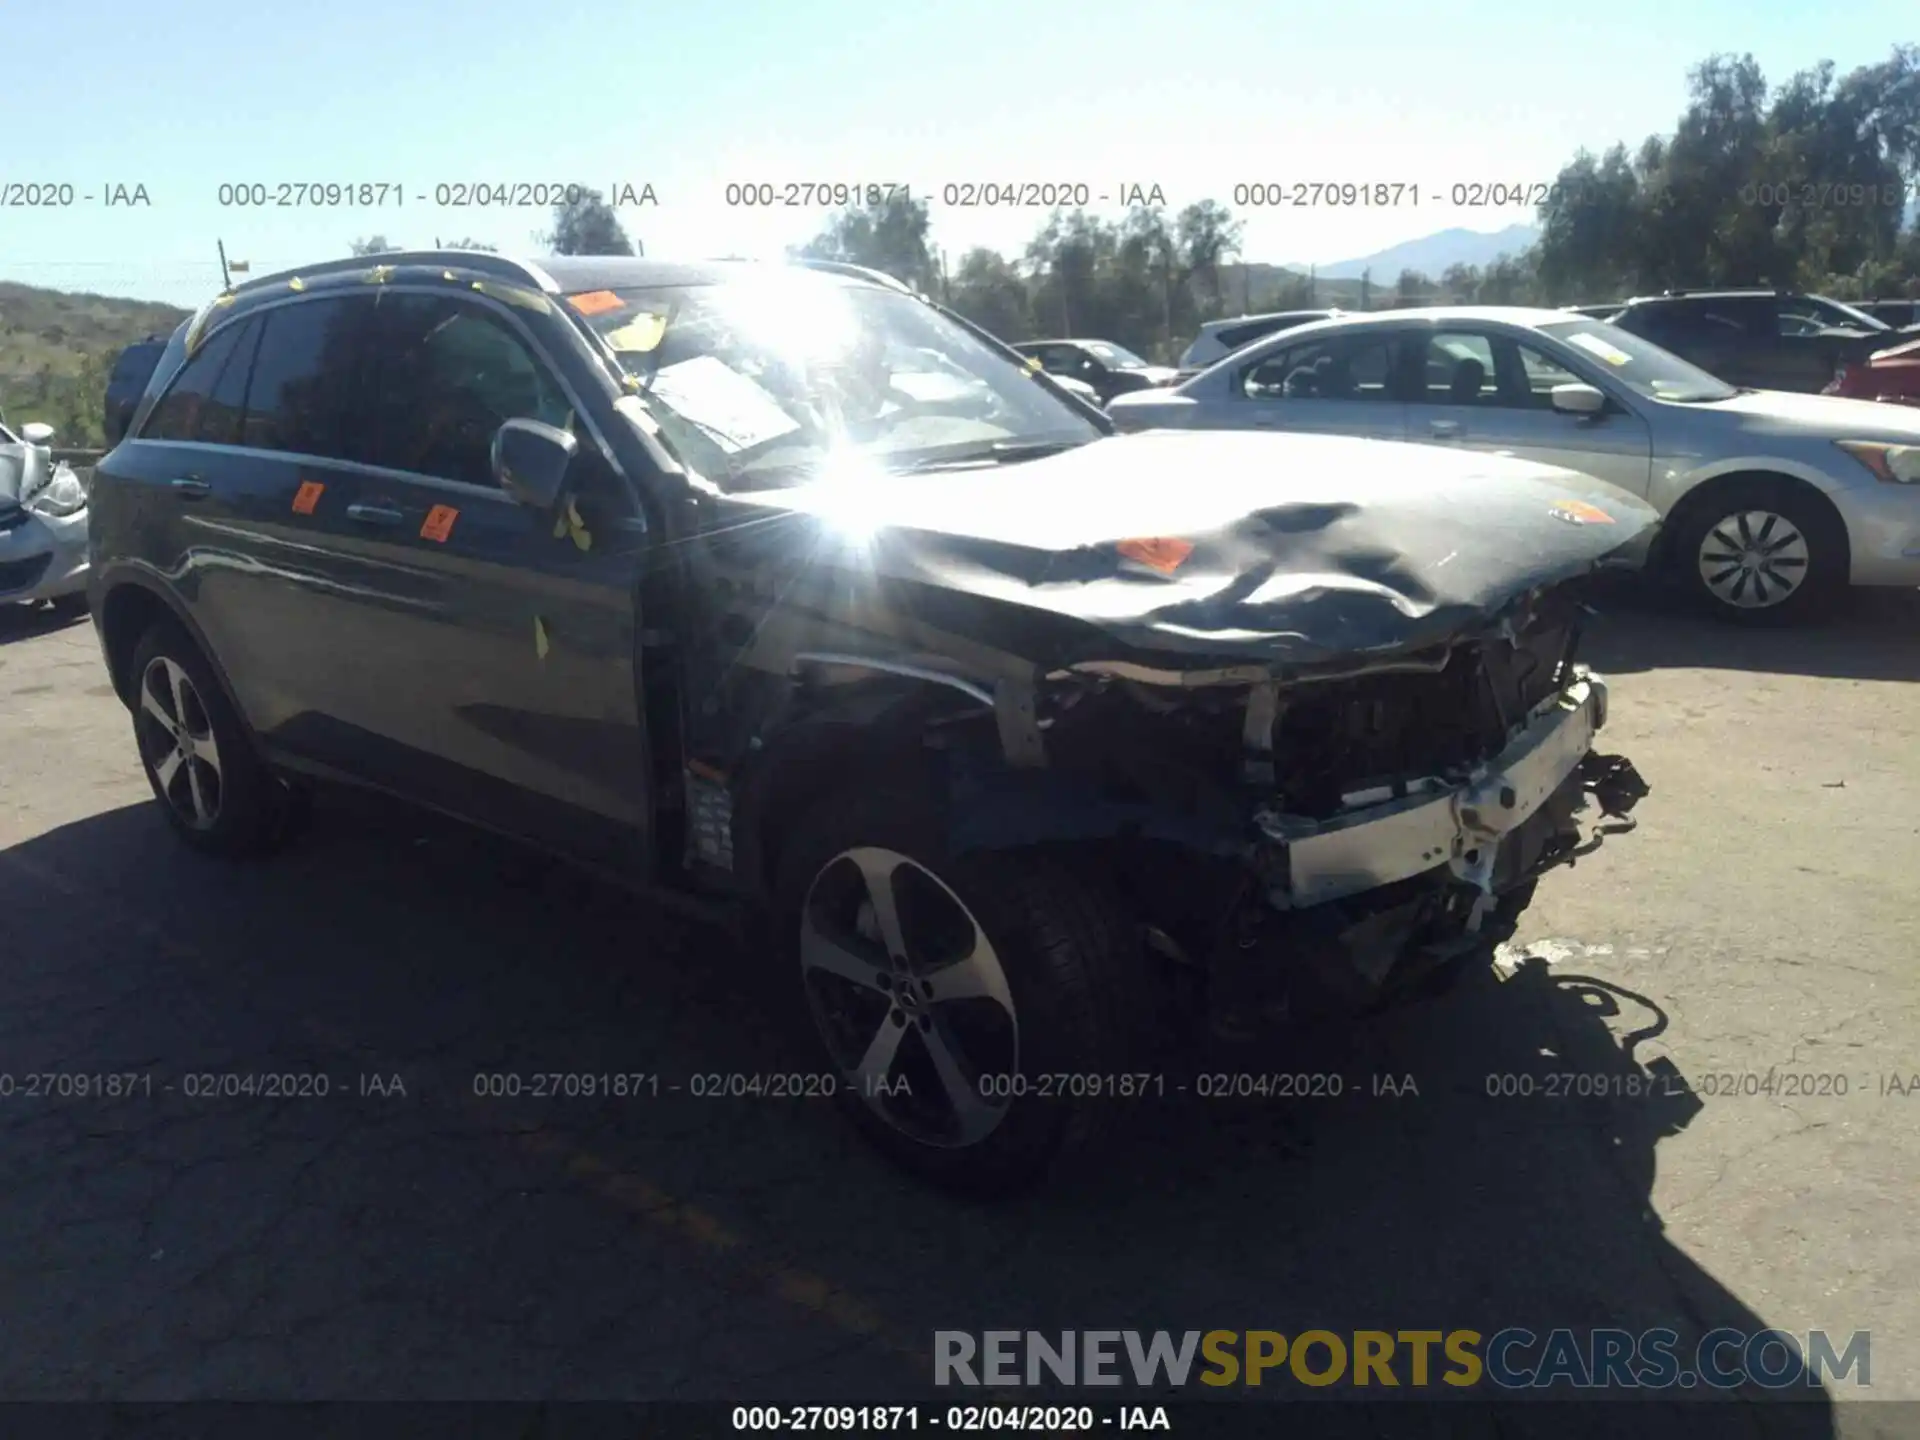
1387	194
1038	1419
450	195
960	195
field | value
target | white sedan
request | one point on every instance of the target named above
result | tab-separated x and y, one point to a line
43	523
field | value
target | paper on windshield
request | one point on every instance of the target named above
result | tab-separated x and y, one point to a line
637	336
1594	345
734	411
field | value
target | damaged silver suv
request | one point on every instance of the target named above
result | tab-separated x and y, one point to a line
783	590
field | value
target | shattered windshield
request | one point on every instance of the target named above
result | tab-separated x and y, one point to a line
776	379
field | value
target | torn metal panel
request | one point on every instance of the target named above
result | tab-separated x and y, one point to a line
1458	825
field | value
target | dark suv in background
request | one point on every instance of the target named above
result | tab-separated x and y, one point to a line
127	381
783	592
1757	339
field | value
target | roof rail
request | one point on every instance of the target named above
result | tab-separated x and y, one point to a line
484	261
861	272
1755	290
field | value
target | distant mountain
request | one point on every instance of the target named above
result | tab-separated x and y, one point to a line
1431	254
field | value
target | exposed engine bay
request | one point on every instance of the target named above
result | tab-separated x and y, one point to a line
1315	842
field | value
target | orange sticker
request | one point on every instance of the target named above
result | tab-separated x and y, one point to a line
595	302
307	496
439	523
1578	512
1162	554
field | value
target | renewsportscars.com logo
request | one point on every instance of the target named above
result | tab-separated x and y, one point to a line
1510	1359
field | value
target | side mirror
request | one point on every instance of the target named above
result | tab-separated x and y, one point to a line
1578	400
530	461
38	433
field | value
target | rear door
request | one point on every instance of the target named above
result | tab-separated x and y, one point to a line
1342	384
1486	389
493	645
214	474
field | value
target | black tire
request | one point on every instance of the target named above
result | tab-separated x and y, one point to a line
1822	540
1072	964
244	809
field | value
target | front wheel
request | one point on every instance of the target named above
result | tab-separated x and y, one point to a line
1764	553
975	1009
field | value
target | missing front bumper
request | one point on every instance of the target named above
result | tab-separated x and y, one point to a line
1458	824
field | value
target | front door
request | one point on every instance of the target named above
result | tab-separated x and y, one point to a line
1485	390
495	642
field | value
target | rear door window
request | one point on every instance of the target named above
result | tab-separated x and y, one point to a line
305	382
177	415
1340	367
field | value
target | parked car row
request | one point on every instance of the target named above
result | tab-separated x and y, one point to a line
1773	502
1760	339
1030	746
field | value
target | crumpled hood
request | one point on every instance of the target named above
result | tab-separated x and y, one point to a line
1304	547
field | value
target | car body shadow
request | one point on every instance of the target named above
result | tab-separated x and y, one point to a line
1873	635
25	622
1439	1186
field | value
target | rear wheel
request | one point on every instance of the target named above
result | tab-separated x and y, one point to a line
213	787
975	1010
1761	553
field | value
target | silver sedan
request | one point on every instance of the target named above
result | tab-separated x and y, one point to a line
43	523
1773	502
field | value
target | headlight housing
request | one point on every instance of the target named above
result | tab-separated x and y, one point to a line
1895	464
60	497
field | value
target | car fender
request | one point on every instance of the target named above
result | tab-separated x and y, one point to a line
109	591
1671	484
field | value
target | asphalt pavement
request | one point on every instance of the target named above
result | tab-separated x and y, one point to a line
385	1228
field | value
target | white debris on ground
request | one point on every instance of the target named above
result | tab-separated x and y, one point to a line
1508	957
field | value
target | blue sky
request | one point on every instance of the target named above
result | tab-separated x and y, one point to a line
1196	96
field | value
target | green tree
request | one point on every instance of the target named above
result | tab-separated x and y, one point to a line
988	290
587	225
1460	283
888	235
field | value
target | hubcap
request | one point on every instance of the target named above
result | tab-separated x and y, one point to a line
1753	559
177	744
909	996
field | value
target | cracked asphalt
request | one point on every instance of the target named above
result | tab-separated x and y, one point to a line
403	1237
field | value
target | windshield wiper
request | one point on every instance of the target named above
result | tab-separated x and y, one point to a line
1000	452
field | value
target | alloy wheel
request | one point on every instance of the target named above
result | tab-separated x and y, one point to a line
177	743
1753	559
909	996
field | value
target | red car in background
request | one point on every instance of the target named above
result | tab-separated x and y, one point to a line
1892	375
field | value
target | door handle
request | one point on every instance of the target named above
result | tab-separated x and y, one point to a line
374	515
1446	429
191	487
